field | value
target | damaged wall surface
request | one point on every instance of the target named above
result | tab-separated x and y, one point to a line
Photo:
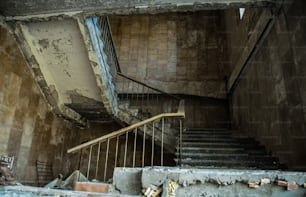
179	53
61	55
269	100
29	130
30	7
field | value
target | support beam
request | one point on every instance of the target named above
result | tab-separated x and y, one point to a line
253	41
39	7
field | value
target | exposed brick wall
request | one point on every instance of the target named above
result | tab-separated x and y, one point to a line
28	129
176	52
269	102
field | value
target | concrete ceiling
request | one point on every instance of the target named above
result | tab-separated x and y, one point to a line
63	61
36	7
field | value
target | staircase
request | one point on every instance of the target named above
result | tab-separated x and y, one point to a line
220	148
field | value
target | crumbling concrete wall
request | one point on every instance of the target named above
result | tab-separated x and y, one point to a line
269	100
209	182
28	129
176	52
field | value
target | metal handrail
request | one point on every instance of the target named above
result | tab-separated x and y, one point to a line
179	113
125	131
150	87
106	35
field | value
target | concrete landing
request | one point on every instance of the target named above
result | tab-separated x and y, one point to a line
27	191
210	182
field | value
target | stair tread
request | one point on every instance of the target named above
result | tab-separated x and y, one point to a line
219	162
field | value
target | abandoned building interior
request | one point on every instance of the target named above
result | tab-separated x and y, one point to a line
111	88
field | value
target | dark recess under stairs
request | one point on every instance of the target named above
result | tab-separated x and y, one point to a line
220	148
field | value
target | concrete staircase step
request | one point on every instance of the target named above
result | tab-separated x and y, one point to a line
203	135
228	164
203	140
217	150
221	145
229	157
207	132
206	129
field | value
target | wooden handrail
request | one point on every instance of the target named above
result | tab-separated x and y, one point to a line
124	130
180	113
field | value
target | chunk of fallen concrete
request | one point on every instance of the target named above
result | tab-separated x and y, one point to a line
292	186
265	181
253	185
282	183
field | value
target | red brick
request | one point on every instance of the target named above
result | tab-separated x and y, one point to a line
91	187
292	186
254	185
282	183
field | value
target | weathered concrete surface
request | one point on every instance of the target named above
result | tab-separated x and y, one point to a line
269	101
237	189
128	180
28	128
176	52
66	66
27	191
28	7
213	182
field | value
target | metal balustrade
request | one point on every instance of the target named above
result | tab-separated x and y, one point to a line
136	129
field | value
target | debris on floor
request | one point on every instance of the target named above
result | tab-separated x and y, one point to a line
6	170
67	184
292	186
254	185
265	181
282	183
153	191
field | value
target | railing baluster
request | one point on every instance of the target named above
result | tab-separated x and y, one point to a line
162	143
137	92
116	154
106	159
135	143
142	95
98	158
152	152
181	140
89	160
125	150
144	145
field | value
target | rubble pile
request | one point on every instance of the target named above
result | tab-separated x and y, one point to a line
6	174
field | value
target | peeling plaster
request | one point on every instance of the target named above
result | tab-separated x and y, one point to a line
58	48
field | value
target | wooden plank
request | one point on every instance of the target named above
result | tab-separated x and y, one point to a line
261	25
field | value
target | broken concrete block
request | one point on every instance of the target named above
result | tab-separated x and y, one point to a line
265	181
128	180
292	186
254	185
282	183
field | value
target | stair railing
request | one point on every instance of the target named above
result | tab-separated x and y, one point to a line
136	128
150	100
